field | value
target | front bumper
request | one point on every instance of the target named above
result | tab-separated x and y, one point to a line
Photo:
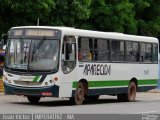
30	91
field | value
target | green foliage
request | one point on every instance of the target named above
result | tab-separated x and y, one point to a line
147	17
16	13
113	15
69	12
128	16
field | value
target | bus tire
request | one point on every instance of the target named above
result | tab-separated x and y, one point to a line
130	95
132	89
79	94
33	99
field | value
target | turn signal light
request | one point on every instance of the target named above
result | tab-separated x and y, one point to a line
55	78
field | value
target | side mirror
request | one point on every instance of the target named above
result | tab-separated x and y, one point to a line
3	40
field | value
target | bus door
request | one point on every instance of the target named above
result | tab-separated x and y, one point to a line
68	65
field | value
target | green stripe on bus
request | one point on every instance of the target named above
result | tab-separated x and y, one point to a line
116	83
147	82
36	78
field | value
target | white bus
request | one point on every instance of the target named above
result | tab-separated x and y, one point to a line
78	64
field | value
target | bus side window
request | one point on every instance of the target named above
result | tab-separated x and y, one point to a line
146	52
117	48
132	51
85	49
155	53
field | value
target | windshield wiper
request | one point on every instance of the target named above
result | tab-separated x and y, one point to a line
39	44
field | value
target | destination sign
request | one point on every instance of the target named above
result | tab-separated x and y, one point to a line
33	32
18	32
40	32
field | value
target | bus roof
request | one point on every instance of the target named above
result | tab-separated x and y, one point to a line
96	34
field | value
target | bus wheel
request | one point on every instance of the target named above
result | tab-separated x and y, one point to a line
132	91
79	94
33	99
130	95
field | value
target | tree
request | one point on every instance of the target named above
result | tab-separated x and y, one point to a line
69	12
15	13
127	16
147	16
113	15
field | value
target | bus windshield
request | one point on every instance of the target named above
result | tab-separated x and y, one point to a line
32	54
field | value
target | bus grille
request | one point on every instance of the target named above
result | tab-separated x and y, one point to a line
27	83
25	92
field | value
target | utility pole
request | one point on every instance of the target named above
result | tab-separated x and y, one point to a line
37	21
